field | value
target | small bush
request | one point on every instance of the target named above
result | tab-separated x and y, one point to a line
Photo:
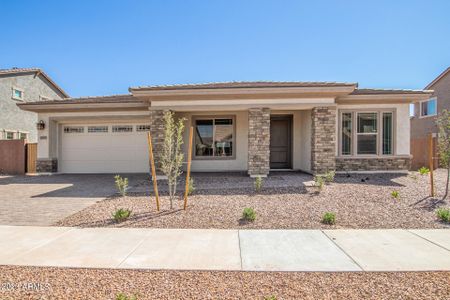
121	215
329	218
319	182
443	214
424	171
270	298
191	186
249	214
395	194
329	176
122	185
122	296
258	183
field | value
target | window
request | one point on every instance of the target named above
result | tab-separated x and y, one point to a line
17	94
140	128
387	133
9	135
214	138
23	136
96	129
73	129
346	133
122	128
428	108
367	133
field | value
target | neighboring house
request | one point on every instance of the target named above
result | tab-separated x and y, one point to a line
239	126
19	86
423	122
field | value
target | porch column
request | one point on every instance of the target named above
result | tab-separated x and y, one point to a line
323	140
157	132
258	141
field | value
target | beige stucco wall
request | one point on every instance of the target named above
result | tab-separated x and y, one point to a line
303	161
402	124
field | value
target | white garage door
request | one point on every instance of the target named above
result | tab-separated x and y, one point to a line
104	148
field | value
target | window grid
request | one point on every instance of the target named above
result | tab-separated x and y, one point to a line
73	129
141	128
122	128
97	129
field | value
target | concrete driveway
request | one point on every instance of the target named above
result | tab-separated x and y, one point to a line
44	200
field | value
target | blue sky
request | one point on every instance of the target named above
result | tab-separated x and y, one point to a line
103	47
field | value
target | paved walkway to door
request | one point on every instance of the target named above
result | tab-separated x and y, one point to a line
211	249
46	199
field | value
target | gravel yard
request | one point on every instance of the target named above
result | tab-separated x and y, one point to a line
286	201
59	283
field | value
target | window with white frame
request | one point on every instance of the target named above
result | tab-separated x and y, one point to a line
9	135
97	129
214	137
23	135
73	129
428	107
366	133
17	94
122	128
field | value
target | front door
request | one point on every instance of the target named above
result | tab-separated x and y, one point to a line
280	142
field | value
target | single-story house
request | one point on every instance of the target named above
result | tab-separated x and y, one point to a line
254	127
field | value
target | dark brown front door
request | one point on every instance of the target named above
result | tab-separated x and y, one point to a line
280	142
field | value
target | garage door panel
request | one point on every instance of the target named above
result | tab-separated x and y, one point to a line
110	152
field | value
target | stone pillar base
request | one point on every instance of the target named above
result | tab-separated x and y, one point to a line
47	165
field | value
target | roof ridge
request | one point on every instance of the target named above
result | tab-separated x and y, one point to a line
242	82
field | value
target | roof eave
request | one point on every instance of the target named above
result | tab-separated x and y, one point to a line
71	106
337	90
384	98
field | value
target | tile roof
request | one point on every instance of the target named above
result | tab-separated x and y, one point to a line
244	84
14	71
96	99
388	91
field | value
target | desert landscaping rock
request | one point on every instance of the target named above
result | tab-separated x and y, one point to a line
359	201
59	283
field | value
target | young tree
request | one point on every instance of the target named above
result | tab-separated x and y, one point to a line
172	156
443	123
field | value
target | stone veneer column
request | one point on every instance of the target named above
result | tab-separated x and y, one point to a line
323	140
258	141
157	132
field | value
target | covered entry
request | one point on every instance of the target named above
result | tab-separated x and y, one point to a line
281	142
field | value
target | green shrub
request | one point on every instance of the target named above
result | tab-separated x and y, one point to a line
191	186
319	182
121	215
329	218
329	176
122	185
249	214
443	214
270	298
424	171
122	296
258	183
395	194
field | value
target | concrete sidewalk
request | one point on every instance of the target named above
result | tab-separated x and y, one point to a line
211	249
